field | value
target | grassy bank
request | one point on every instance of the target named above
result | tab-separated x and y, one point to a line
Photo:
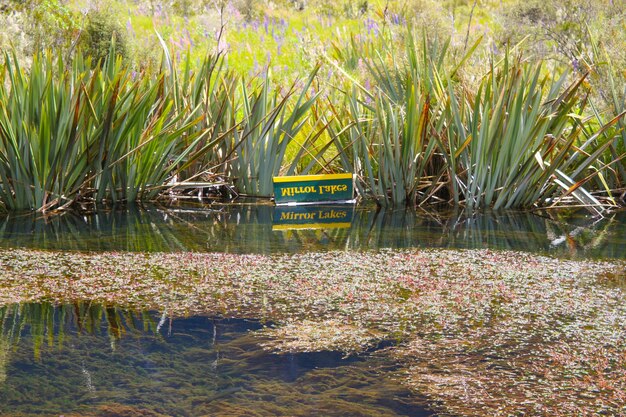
479	332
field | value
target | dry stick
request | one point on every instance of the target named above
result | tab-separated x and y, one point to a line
222	26
469	23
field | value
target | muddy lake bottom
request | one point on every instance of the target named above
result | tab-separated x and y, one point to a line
363	321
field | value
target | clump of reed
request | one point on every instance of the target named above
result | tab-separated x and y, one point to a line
70	134
409	126
271	121
105	133
520	139
47	323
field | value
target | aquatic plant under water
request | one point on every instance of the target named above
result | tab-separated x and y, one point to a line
519	332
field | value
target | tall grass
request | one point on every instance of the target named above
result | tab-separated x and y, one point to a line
394	128
138	133
208	93
410	127
271	121
69	134
393	155
505	134
108	134
613	102
520	139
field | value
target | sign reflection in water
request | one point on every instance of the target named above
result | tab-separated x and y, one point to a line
312	217
249	229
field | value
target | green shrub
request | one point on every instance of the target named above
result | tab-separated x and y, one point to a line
101	29
30	26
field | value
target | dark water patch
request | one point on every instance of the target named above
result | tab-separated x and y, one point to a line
87	359
250	229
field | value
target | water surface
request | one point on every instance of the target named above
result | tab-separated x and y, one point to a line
252	229
91	359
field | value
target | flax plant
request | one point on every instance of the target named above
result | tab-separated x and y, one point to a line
207	92
614	98
103	134
48	323
350	127
142	136
271	121
407	126
404	151
390	150
395	154
43	135
517	140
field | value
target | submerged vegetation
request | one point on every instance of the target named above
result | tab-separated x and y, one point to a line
416	119
478	331
187	366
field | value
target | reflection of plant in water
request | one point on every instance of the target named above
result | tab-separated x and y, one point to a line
7	331
47	322
4	357
177	375
559	233
248	229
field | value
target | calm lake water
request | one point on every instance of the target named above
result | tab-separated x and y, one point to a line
258	229
89	359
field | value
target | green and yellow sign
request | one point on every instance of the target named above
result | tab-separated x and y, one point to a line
312	217
313	188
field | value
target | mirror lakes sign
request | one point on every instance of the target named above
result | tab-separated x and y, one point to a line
307	189
312	217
